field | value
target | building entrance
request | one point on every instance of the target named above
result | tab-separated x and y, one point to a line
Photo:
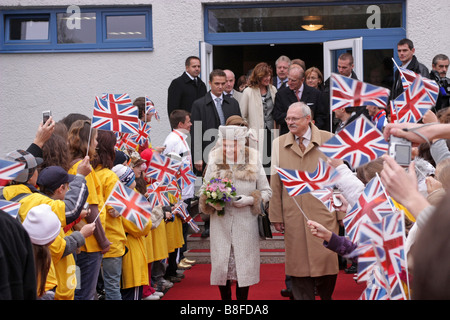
242	58
377	63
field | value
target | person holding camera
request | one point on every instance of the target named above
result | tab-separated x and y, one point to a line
439	74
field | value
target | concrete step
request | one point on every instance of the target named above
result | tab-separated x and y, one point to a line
198	248
195	241
272	249
266	255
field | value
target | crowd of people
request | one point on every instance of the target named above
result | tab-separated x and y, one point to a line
69	244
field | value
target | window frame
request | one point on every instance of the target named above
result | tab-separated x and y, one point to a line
102	44
302	36
20	16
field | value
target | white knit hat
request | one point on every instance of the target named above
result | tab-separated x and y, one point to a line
42	224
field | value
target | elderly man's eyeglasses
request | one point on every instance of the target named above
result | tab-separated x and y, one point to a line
293	119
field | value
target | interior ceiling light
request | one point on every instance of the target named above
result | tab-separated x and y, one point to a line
312	27
312	23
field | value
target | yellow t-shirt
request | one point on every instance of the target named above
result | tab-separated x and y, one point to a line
135	261
113	225
95	197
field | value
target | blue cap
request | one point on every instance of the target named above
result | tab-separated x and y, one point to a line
53	177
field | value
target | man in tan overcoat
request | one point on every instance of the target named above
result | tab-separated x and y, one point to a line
308	262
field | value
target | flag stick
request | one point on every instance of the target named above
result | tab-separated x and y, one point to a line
89	138
300	208
398	68
104	205
331	108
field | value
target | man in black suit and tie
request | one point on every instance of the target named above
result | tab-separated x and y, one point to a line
209	112
281	68
188	87
296	91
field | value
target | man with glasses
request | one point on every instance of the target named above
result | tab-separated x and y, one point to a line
308	263
296	91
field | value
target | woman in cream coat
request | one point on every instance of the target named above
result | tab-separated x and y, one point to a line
256	105
234	236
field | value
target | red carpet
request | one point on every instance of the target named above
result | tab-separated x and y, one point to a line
195	285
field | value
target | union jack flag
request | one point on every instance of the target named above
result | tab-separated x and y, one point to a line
108	115
9	170
372	205
143	133
357	143
185	176
10	207
413	103
181	210
393	111
387	253
298	182
150	108
162	168
157	195
347	92
377	287
326	196
173	190
124	141
408	77
117	98
130	204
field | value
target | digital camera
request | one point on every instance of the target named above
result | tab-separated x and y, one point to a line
444	83
400	150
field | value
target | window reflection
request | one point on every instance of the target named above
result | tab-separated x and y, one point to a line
125	27
291	18
73	29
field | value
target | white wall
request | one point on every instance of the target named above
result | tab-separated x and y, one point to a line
69	82
427	25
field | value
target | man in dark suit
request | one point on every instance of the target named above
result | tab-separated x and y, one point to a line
281	68
405	51
209	112
188	87
296	91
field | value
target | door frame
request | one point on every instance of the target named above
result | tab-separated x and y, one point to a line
206	61
329	60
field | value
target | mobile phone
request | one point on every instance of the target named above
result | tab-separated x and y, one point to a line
336	201
46	115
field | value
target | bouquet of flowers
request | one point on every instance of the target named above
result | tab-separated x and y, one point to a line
219	191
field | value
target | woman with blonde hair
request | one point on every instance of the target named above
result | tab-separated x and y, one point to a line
314	78
256	105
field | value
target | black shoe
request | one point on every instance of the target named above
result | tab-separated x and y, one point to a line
286	293
353	269
205	234
101	294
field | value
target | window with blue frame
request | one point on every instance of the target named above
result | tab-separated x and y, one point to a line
76	29
295	17
305	22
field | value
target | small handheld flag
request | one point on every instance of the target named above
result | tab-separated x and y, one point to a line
357	143
130	204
